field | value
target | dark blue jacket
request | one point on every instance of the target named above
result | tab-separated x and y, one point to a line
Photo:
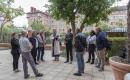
80	42
33	42
101	40
15	43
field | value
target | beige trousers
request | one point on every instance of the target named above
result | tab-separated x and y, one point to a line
101	58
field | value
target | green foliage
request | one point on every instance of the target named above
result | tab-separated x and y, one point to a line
39	26
103	25
118	43
10	29
89	11
7	31
8	14
120	23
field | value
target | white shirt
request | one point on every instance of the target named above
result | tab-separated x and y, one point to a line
91	39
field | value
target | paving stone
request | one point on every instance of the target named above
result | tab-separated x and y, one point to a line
52	70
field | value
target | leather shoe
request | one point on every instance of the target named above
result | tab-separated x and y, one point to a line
39	75
77	74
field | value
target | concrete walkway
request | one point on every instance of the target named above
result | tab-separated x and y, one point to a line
52	70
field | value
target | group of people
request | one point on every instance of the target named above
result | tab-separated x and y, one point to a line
31	46
95	44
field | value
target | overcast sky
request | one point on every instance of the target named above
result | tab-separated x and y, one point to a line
26	4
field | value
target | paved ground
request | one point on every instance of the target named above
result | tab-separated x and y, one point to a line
52	70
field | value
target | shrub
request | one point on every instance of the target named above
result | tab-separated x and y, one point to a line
117	44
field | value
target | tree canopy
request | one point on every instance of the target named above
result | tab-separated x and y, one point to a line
89	11
7	13
39	26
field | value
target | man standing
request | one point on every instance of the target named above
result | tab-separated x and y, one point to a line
34	43
42	42
101	48
26	47
80	45
68	43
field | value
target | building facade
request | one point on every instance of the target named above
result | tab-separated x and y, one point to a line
46	19
118	17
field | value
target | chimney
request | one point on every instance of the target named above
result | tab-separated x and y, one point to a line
33	9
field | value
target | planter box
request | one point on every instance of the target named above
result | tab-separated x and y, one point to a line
7	45
119	69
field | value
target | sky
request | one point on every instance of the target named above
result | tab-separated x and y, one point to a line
26	4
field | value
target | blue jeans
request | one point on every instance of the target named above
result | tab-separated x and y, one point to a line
40	53
80	61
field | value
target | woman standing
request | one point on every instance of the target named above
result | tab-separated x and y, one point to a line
91	40
55	45
15	51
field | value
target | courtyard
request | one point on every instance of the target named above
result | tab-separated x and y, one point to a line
51	70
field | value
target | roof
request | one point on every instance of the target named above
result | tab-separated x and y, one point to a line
38	12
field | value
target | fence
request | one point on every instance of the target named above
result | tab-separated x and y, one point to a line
5	38
117	32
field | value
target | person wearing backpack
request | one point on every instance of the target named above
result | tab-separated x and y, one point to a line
101	41
91	40
80	45
68	43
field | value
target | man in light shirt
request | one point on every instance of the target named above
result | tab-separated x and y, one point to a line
25	47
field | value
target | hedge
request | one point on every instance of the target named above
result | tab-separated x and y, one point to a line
117	44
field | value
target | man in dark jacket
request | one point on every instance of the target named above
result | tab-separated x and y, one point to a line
101	48
34	43
68	43
80	45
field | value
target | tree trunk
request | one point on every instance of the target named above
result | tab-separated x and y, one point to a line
128	32
1	33
82	27
73	28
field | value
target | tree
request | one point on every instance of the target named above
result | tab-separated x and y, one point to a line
7	13
103	25
90	11
39	26
128	25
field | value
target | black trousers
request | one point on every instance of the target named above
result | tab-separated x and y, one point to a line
34	54
91	50
16	54
40	53
69	53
